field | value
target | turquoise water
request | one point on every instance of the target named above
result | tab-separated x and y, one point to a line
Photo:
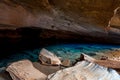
70	51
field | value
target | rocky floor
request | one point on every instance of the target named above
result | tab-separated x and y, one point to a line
47	69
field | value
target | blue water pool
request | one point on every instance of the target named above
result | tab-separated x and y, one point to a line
70	51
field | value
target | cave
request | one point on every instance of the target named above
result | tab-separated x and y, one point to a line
67	28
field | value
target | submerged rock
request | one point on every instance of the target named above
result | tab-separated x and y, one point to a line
24	70
48	58
85	70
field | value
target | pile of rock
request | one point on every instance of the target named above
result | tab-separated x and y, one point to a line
51	67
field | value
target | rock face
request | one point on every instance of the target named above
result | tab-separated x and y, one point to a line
86	12
24	70
48	58
86	18
85	71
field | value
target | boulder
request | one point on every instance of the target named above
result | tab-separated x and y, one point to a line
48	58
24	70
85	70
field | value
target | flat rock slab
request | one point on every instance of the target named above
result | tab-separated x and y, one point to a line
24	70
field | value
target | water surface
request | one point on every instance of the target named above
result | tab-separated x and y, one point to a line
69	51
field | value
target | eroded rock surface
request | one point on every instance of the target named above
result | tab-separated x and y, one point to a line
86	18
81	11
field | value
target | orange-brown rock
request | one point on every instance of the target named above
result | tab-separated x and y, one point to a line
86	18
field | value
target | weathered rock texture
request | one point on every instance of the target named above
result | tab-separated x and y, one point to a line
48	58
19	12
84	17
85	71
24	70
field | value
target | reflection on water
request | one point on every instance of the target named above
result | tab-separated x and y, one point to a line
70	51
